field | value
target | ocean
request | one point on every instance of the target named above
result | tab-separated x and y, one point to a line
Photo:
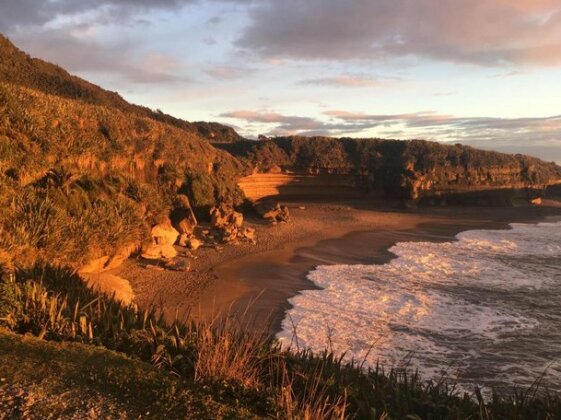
484	310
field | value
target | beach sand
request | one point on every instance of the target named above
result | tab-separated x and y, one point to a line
259	279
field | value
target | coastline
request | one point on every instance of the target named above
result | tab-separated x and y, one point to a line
257	280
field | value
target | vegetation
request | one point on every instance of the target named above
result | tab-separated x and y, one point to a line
78	181
16	67
42	379
236	368
400	168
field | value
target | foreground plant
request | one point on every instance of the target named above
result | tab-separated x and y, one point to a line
243	367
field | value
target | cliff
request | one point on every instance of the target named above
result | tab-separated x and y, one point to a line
416	170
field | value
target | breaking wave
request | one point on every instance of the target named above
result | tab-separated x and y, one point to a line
483	310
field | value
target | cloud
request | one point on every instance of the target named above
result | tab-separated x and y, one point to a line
344	81
78	54
17	13
284	123
227	72
482	32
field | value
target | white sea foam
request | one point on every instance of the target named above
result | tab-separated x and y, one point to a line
484	308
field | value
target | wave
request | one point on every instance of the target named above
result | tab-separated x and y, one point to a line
483	310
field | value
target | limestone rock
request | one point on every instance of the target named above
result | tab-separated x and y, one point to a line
183	240
105	263
272	211
182	216
164	237
193	244
110	285
226	222
177	265
122	255
250	234
95	266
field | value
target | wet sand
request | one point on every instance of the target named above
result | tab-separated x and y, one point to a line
261	278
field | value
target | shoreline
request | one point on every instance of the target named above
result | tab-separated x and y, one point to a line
267	301
256	281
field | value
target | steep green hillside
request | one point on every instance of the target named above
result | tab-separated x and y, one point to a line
79	180
84	174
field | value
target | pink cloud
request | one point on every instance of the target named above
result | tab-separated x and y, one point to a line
484	32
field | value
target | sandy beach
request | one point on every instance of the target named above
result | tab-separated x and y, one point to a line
261	278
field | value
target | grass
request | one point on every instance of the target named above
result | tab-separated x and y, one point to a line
41	379
240	369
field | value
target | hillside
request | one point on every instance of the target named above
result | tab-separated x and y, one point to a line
84	174
17	67
45	379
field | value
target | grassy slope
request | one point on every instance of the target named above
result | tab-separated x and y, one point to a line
40	379
18	68
109	160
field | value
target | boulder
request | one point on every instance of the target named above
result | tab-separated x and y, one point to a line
250	234
110	285
182	216
183	240
122	255
193	243
105	263
164	237
96	265
177	265
237	219
226	222
272	211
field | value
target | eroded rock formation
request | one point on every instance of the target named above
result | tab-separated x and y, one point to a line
163	237
408	170
272	211
228	224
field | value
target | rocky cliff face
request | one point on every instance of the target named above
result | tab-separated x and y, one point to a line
417	170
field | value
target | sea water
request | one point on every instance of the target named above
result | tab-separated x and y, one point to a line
483	310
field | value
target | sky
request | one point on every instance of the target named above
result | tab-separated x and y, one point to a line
481	72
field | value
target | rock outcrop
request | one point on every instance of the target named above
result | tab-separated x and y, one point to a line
164	236
182	216
106	263
227	222
405	170
228	225
272	211
110	285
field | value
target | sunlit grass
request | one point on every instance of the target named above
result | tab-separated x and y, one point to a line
52	303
